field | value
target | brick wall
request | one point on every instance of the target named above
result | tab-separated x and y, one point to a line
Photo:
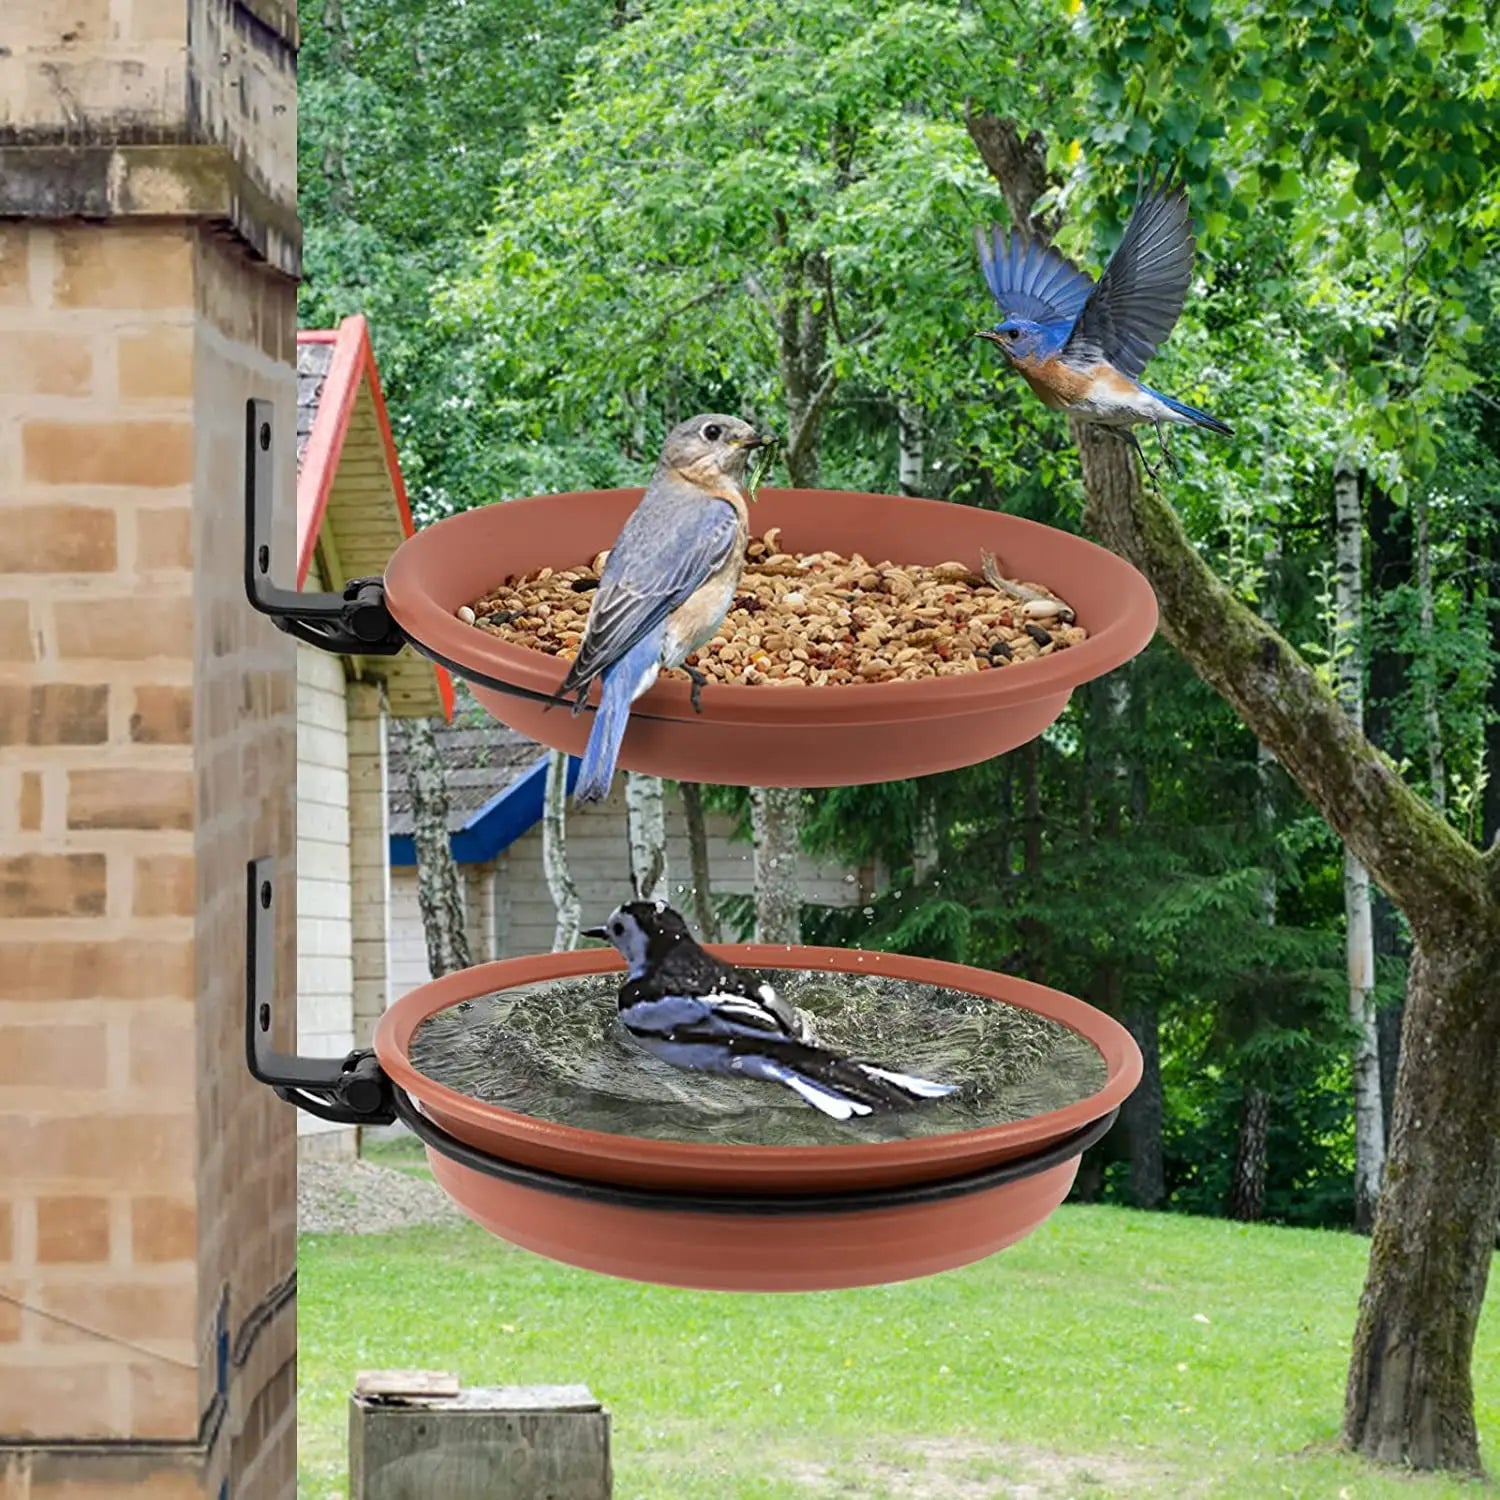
97	984
145	753
147	1189
85	68
245	759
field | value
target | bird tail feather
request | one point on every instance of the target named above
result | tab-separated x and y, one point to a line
1193	415
624	682
824	1078
835	1105
922	1088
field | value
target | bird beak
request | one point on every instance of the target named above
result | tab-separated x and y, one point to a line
602	933
757	440
985	333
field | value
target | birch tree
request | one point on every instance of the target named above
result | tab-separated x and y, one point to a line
555	869
1359	935
440	896
646	820
776	822
911	434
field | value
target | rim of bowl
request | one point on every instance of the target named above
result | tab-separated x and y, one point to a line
923	1156
1125	601
753	1203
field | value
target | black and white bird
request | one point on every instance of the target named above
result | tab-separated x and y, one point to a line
683	1005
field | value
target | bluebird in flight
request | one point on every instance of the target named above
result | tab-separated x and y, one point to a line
667	584
1080	346
681	1004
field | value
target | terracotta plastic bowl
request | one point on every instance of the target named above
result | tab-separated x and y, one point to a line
756	1244
716	1168
745	1218
770	736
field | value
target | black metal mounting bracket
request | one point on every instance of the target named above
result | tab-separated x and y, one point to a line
354	623
347	1091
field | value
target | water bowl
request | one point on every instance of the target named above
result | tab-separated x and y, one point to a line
548	1127
833	735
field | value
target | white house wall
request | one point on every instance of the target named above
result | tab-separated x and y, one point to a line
325	966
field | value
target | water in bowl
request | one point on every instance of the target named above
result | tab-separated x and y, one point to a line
556	1050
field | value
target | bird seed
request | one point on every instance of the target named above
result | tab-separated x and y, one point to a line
817	619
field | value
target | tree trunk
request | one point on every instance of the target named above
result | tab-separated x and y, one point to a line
555	853
1410	1396
911	430
1427	1270
646	821
1436	771
1359	936
697	835
1247	1187
776	819
1142	1112
802	319
439	890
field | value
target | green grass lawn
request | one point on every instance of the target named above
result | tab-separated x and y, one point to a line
1111	1354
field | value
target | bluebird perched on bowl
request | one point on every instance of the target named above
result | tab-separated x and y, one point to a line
684	1006
1080	346
668	583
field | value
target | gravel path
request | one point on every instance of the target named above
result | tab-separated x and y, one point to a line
358	1197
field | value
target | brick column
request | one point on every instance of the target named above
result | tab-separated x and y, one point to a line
369	855
147	743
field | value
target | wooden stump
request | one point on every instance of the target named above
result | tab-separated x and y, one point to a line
415	1436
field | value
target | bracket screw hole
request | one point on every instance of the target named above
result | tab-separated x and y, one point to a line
265	437
265	894
263	559
265	1018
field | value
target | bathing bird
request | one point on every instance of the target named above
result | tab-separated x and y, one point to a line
667	584
1082	346
683	1005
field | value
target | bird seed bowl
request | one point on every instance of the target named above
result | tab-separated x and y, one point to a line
768	735
694	1211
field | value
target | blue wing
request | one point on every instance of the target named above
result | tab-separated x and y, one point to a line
1140	294
707	1017
674	541
1030	280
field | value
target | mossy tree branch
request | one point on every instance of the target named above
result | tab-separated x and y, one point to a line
1421	861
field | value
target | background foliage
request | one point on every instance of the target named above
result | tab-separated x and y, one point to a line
571	225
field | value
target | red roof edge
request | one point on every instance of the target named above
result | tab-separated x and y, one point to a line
353	359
